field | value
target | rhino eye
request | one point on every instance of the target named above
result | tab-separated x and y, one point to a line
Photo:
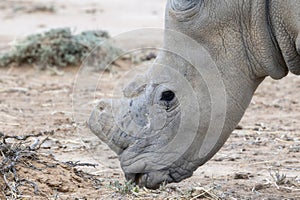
183	5
167	96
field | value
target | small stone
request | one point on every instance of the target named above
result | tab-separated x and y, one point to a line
259	186
239	127
241	175
54	183
77	178
63	189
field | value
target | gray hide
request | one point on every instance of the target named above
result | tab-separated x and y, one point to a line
165	126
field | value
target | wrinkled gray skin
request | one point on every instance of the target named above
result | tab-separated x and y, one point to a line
247	40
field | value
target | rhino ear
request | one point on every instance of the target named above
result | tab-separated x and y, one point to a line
183	5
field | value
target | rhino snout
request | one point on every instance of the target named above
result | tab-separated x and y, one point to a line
100	120
102	124
103	104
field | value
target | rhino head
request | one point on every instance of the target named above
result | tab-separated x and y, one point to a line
178	114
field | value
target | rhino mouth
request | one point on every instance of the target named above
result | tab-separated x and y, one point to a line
145	175
139	178
154	179
151	180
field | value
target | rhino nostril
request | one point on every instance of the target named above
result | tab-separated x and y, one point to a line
102	105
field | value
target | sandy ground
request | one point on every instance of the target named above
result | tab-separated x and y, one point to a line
32	101
115	16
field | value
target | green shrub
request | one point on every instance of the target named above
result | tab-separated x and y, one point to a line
61	48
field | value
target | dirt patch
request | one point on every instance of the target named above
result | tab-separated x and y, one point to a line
260	159
27	173
45	178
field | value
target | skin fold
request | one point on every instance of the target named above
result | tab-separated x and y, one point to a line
165	127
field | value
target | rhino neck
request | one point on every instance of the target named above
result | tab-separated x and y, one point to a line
284	24
260	43
274	29
239	89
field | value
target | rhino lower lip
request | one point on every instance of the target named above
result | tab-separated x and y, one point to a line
142	180
137	178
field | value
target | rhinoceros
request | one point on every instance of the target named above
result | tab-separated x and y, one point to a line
165	126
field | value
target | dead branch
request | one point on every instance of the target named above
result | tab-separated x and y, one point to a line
79	164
